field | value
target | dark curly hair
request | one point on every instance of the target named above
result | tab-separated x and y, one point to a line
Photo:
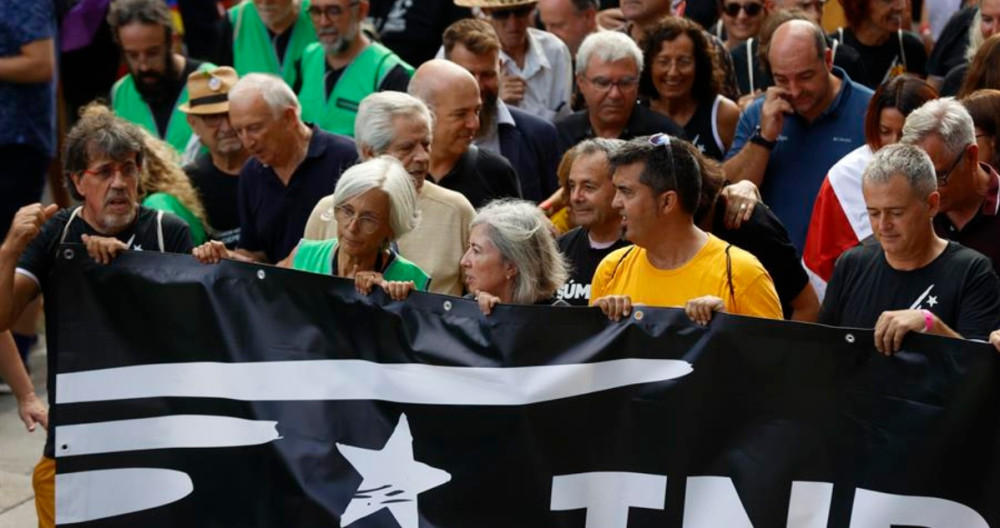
708	75
99	133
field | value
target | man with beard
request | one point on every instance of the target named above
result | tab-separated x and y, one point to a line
344	66
399	125
155	85
103	158
215	173
528	142
452	95
266	36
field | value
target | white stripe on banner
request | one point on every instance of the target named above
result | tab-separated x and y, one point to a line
164	432
90	495
352	379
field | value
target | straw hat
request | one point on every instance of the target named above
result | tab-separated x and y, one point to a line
208	91
493	4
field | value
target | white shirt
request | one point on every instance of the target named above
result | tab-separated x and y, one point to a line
548	73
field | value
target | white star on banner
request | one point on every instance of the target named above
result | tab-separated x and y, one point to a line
391	478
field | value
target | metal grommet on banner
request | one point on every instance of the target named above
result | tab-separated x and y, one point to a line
68	254
849	338
447	306
261	274
65	447
638	315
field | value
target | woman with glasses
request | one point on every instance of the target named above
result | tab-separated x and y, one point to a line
682	81
875	30
739	21
374	204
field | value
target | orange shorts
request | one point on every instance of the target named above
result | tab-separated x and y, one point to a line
44	482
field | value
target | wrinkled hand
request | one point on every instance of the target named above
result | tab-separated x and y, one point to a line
772	114
210	252
741	199
615	306
891	327
398	290
486	302
364	281
512	88
702	309
103	249
32	412
26	225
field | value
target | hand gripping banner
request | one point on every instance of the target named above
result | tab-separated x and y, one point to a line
235	395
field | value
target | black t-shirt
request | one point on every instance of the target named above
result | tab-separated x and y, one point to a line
39	258
959	287
949	50
481	176
765	237
219	193
413	28
880	60
583	259
846	58
163	110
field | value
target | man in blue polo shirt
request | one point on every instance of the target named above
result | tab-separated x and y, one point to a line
788	139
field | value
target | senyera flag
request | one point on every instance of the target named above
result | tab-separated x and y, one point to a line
236	395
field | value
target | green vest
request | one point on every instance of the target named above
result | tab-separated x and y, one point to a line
168	203
128	104
362	77
317	256
252	48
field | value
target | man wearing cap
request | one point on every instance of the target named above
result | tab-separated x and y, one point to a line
344	66
536	67
155	85
267	36
215	171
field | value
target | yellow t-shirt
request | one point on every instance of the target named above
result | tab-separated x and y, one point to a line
627	271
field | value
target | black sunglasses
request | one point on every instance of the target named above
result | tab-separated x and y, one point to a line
519	12
753	9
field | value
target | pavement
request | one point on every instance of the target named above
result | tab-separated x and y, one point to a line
19	452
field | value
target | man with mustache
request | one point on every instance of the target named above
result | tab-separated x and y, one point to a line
103	158
215	173
528	142
267	36
155	85
399	125
344	66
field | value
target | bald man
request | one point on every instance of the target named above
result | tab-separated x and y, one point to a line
813	108
452	95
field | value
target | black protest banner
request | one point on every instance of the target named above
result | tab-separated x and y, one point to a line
242	396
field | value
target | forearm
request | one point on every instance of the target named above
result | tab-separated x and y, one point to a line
805	305
12	368
35	64
8	263
749	164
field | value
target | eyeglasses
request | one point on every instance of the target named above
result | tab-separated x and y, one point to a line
331	12
128	170
346	214
504	14
752	9
942	178
213	120
604	84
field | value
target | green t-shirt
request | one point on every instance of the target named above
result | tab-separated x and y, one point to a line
317	256
168	203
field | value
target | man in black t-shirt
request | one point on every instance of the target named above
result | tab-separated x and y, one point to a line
912	280
103	159
589	192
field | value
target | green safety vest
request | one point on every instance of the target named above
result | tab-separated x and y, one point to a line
252	47
362	77
317	256
128	104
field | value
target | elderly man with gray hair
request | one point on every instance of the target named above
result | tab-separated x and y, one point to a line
608	65
969	189
399	125
912	280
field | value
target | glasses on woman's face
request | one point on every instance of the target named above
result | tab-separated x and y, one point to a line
367	223
733	9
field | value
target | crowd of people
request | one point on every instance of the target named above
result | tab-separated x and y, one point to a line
717	156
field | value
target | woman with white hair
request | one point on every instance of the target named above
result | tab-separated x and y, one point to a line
512	257
375	203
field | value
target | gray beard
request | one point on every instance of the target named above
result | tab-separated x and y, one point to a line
487	119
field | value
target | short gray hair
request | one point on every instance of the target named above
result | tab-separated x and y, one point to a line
908	161
388	175
604	146
608	46
276	94
521	233
373	126
947	119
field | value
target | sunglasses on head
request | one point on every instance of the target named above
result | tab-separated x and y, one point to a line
753	9
519	12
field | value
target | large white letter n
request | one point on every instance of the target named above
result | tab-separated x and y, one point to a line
607	496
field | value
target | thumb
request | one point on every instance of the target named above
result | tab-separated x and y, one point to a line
85	238
50	210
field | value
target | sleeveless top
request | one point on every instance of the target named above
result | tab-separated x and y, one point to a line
702	130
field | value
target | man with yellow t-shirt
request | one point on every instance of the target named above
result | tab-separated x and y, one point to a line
673	263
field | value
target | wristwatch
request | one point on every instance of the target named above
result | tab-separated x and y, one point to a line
758	139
